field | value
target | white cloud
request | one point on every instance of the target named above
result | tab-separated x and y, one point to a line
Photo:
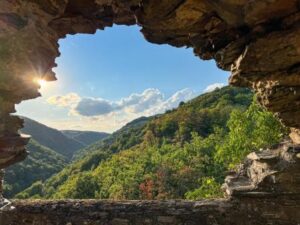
65	100
172	102
111	115
213	87
137	103
179	96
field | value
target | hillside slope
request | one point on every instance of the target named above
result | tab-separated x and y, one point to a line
126	137
40	164
130	174
66	143
91	156
51	138
48	158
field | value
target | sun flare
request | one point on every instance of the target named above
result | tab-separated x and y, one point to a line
40	82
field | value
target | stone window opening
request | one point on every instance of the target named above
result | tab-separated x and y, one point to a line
263	57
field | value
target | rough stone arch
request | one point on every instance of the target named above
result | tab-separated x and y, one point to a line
257	40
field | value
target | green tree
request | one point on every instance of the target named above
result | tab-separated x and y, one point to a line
83	186
35	191
249	131
209	189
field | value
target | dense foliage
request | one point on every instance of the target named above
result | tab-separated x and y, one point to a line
249	131
128	136
88	158
157	172
183	153
41	164
45	159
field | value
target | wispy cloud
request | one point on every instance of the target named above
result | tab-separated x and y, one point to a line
213	87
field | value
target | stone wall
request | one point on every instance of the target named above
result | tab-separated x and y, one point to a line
250	210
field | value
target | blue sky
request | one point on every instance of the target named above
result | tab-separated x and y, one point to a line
107	79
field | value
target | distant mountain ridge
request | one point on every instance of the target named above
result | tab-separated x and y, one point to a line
85	137
66	143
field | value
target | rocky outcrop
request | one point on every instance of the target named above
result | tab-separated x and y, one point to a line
270	172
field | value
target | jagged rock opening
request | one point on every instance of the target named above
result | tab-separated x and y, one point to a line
258	41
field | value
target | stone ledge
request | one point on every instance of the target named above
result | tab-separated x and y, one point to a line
280	210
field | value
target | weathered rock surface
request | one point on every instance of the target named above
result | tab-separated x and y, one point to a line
270	172
250	210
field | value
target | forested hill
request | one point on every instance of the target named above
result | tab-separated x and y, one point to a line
90	157
50	151
66	143
40	164
128	136
200	115
51	138
179	154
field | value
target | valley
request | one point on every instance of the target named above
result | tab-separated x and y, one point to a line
181	154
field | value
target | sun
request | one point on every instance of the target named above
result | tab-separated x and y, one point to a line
41	82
